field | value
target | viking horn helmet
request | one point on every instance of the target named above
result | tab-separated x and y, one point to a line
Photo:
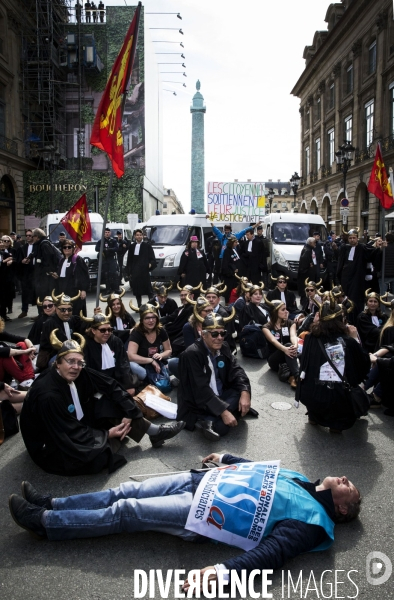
68	346
161	289
214	320
97	319
145	308
64	299
39	303
112	297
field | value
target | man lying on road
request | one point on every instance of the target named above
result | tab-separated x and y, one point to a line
291	514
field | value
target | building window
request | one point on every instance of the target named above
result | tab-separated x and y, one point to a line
307	120
348	129
318	109
318	153
391	88
331	96
369	111
331	146
307	161
372	58
349	79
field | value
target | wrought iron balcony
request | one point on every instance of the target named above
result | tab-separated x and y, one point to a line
8	145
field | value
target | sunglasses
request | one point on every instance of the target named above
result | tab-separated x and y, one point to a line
216	334
47	306
310	290
67	247
65	310
106	330
6	241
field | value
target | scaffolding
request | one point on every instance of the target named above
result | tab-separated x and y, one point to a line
44	76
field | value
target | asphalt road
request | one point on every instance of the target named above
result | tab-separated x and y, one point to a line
103	568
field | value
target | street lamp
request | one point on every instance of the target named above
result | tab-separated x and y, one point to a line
344	157
270	196
295	181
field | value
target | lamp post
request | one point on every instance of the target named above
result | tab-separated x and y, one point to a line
51	158
295	181
344	157
270	196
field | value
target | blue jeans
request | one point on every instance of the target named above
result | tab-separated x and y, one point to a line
157	504
138	370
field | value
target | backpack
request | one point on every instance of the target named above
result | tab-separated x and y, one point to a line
253	343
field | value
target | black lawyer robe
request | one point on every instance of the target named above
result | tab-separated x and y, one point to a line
196	398
55	439
369	333
168	307
351	273
291	303
194	265
47	351
174	322
121	371
138	268
328	404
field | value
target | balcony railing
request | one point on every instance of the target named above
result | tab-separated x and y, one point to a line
9	145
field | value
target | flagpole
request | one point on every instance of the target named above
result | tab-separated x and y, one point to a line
100	260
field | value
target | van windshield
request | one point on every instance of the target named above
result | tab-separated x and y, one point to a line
296	233
168	235
55	229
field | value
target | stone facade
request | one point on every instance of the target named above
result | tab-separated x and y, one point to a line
198	165
12	161
171	204
346	92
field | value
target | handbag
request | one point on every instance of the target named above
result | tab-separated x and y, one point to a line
357	396
160	380
8	420
139	399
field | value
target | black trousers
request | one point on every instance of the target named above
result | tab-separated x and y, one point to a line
232	397
278	357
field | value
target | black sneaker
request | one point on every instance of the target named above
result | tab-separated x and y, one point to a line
167	431
27	516
31	495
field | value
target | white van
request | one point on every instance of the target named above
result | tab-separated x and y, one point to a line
50	224
127	234
285	235
168	235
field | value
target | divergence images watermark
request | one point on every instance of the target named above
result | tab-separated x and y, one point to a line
337	583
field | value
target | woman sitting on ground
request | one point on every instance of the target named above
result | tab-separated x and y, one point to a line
48	310
320	388
308	305
281	336
149	346
370	322
192	329
254	310
22	370
121	320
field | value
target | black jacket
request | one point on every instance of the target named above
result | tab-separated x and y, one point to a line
121	371
194	392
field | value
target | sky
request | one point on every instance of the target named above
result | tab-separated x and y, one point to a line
248	57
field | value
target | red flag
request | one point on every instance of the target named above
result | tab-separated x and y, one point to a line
107	127
379	183
77	222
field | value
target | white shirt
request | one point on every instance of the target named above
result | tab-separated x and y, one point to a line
137	249
119	323
351	253
77	404
67	330
29	249
107	358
